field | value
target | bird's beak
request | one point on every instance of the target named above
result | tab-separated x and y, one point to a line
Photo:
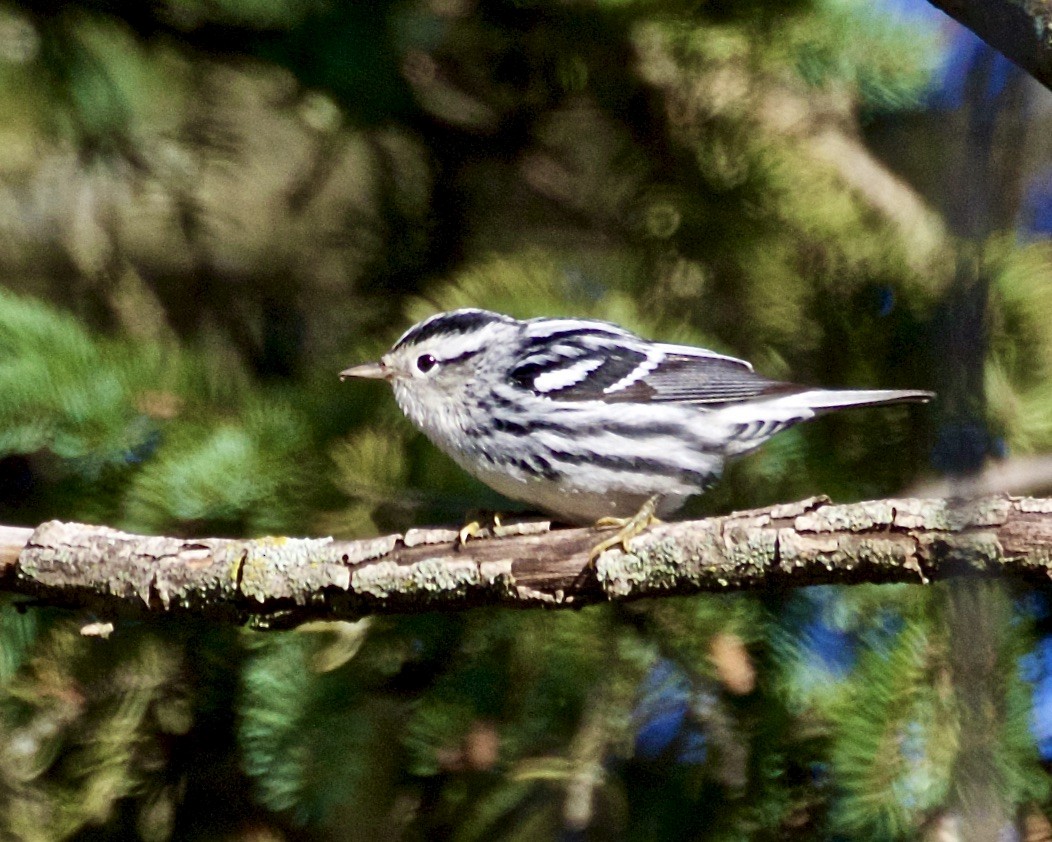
369	371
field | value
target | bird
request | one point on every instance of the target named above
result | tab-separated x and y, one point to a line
586	420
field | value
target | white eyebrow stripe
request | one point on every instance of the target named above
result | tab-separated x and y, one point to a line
655	356
450	347
562	378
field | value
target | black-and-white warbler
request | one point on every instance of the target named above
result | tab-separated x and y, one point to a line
584	419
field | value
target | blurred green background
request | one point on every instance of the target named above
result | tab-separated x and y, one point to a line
208	208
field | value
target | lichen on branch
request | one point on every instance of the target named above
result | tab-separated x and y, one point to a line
283	581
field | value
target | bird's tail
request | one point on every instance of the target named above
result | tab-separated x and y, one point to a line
827	400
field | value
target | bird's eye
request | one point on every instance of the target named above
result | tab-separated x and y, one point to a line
425	362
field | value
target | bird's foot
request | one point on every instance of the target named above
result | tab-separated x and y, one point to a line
628	528
485	527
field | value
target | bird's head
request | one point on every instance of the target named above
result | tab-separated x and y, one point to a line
433	364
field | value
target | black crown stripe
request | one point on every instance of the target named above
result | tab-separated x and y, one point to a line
456	323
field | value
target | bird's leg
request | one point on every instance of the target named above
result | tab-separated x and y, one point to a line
629	528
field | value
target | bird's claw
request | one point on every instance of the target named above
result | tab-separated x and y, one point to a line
628	528
476	529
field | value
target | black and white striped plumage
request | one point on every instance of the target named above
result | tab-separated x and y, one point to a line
584	419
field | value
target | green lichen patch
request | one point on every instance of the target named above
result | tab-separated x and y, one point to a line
429	577
749	552
198	574
622	574
291	568
856	517
951	515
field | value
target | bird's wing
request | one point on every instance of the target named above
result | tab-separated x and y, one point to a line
683	375
623	368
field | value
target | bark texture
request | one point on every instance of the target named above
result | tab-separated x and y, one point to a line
282	581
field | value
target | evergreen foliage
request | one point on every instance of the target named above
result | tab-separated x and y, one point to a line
207	209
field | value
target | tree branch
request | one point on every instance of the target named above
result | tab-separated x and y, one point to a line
283	581
1021	29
